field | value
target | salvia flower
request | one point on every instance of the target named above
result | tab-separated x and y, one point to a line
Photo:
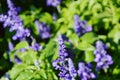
21	34
80	26
10	46
71	68
43	29
53	3
36	47
14	22
102	59
64	63
62	48
85	71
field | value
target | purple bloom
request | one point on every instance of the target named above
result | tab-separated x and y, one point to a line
72	70
43	29
62	48
36	47
85	71
80	26
53	3
102	59
64	63
14	22
21	33
10	46
3	18
22	50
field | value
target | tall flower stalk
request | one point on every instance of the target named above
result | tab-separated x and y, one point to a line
64	63
14	22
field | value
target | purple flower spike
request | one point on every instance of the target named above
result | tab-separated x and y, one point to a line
3	18
53	3
36	47
72	70
85	71
43	29
10	4
14	22
21	34
10	46
64	63
102	59
80	26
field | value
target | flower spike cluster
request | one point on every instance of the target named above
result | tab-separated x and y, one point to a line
102	59
15	23
80	26
53	3
85	71
43	29
64	63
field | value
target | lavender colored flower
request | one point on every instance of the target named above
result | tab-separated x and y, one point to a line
21	33
62	48
72	70
3	18
102	59
43	29
85	71
14	22
64	63
80	26
10	46
36	47
22	50
53	3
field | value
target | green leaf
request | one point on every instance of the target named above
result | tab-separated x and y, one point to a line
49	51
16	70
43	74
23	44
114	34
89	37
28	56
116	71
85	46
46	17
89	56
25	75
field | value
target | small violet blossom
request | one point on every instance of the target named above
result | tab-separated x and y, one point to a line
80	26
85	71
36	47
102	59
64	63
14	22
53	3
43	30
